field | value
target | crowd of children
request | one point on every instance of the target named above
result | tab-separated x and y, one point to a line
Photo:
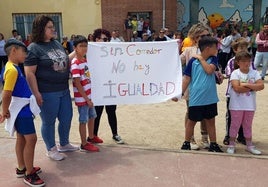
243	83
201	63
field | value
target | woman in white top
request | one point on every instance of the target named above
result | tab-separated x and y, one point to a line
225	48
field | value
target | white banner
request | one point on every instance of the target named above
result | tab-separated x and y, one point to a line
134	73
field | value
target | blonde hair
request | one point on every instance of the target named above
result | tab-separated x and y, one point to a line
196	30
240	42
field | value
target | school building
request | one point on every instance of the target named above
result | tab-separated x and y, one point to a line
83	16
70	16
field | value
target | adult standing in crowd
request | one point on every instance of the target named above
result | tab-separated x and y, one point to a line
128	28
67	45
135	37
262	50
119	36
16	35
28	40
225	48
145	37
90	37
134	23
114	37
47	71
253	44
3	55
161	36
102	35
140	26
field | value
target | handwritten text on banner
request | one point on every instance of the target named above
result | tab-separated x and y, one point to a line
134	73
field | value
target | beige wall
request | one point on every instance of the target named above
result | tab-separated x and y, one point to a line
78	16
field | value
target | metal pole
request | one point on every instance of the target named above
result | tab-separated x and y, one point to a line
164	13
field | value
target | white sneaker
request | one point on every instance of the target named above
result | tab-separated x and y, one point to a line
118	139
253	150
67	148
194	146
230	150
54	154
205	144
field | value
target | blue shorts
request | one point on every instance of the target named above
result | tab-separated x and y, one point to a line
25	125
198	113
86	113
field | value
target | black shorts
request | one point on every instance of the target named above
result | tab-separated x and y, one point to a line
198	113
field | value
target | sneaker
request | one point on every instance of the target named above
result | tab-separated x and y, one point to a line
118	139
21	173
230	149
186	146
89	147
95	139
253	150
194	146
67	148
33	180
241	140
54	154
226	140
205	144
214	147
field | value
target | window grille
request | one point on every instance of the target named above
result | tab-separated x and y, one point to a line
23	23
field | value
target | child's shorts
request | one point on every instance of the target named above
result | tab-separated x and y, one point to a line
86	113
198	113
25	125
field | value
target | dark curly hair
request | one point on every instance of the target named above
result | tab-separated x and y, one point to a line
97	34
38	30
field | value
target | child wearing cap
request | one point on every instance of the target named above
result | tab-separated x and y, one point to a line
17	99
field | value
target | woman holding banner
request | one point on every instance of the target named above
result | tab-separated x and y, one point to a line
102	35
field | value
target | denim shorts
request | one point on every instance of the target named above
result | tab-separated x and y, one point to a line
24	125
86	113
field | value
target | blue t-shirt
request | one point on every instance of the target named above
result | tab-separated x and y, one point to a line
202	87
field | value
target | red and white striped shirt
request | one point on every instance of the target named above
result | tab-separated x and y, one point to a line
80	69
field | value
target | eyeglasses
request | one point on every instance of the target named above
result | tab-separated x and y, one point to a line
104	39
201	36
50	27
161	32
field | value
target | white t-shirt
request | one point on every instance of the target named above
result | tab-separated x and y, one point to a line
115	40
243	101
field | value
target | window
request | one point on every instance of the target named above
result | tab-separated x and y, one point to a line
23	23
143	15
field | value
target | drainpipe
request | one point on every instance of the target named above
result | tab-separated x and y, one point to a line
164	13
